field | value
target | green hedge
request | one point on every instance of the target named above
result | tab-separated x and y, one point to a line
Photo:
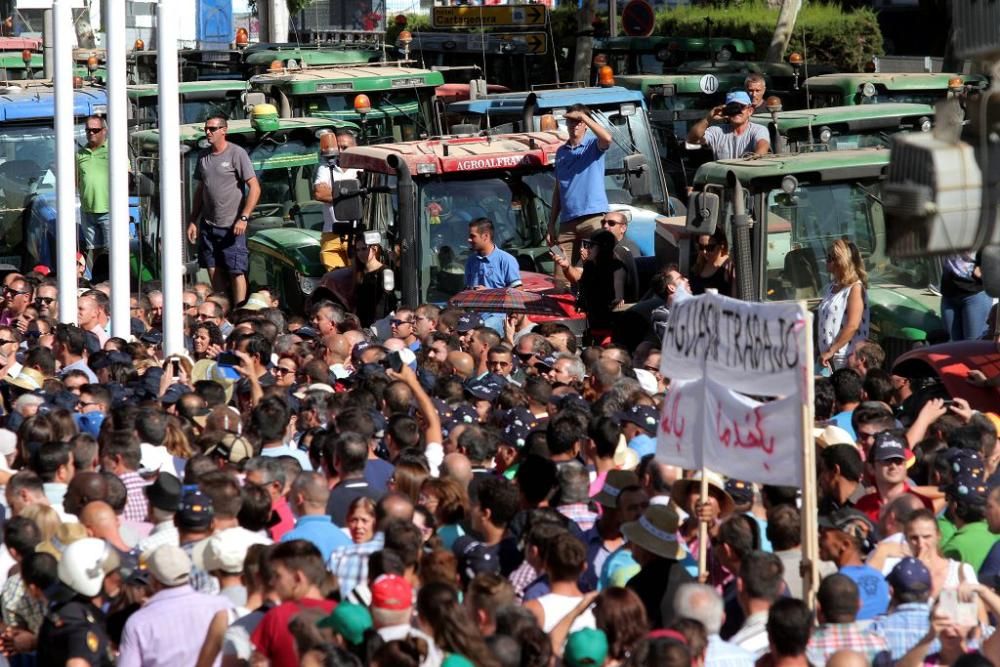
845	39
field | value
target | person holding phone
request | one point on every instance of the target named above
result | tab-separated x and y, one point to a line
737	136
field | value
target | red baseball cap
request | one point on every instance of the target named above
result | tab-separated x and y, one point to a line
391	592
42	269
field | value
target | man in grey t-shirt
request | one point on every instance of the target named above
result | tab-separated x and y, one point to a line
738	136
223	171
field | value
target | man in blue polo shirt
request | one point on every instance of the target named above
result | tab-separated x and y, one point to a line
579	200
489	267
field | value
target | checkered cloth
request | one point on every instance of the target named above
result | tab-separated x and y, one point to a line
136	503
829	638
904	627
350	563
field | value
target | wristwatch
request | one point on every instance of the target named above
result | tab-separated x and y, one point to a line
243	218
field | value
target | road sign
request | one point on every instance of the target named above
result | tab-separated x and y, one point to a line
494	16
530	43
638	18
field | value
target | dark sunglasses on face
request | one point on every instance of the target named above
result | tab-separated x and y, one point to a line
399	323
709	247
94	130
213	128
5	341
612	223
12	291
44	300
283	371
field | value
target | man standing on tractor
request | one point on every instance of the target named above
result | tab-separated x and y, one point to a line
223	171
333	248
738	136
92	179
579	200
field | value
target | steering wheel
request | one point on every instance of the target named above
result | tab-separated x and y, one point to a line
268	211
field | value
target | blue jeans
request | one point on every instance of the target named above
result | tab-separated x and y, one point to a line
965	316
96	229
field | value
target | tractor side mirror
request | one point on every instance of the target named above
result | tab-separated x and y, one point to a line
347	204
702	213
639	175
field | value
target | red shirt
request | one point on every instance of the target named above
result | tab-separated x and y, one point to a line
286	520
872	503
272	638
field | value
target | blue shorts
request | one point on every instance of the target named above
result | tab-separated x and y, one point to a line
219	246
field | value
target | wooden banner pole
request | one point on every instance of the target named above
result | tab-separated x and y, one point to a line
703	531
810	501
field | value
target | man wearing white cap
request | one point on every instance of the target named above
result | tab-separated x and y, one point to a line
738	136
170	628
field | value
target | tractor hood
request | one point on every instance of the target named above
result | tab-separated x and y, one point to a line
298	248
951	363
905	313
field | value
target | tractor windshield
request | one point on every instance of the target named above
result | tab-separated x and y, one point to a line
193	110
516	203
396	115
802	225
27	166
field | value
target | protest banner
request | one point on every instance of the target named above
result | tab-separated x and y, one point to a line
720	355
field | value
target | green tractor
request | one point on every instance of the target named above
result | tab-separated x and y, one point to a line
835	90
284	230
781	212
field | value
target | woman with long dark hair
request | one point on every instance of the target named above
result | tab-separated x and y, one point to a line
444	618
713	268
372	301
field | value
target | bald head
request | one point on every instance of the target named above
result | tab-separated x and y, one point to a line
462	363
99	520
310	493
84	488
338	346
847	658
353	337
457	467
394	344
393	506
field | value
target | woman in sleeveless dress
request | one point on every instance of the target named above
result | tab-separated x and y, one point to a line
843	318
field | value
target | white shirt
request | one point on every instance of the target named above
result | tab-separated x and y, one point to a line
156	457
325	175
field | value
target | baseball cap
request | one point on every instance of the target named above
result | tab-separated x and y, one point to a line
910	576
643	416
468	322
845	520
257	301
227	549
463	414
740	491
968	489
484	390
966	462
391	592
348	620
587	647
475	558
195	511
888	446
738	96
170	565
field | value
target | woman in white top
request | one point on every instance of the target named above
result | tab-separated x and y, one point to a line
923	537
843	316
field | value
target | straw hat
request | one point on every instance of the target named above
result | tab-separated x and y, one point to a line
28	379
656	532
716	488
207	369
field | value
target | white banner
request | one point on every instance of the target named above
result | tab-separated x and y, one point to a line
715	350
754	348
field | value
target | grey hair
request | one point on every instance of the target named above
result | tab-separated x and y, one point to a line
700	602
576	367
270	467
574	483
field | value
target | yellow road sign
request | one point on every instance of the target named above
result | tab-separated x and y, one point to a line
495	16
532	43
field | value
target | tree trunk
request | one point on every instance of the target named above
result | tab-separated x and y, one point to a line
84	30
783	31
584	42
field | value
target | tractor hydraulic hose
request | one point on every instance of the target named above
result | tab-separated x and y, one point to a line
409	233
741	240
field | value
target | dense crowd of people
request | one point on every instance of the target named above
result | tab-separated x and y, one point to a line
298	490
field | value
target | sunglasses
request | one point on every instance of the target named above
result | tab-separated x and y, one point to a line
585	244
213	128
83	404
203	317
9	290
710	247
525	356
46	300
611	223
283	371
94	130
4	341
399	323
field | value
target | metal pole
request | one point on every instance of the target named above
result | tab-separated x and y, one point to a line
612	19
48	42
171	224
118	250
66	229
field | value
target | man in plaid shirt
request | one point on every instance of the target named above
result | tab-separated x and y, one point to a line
909	619
121	456
838	607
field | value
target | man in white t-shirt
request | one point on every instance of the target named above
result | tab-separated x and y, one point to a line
333	248
738	136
